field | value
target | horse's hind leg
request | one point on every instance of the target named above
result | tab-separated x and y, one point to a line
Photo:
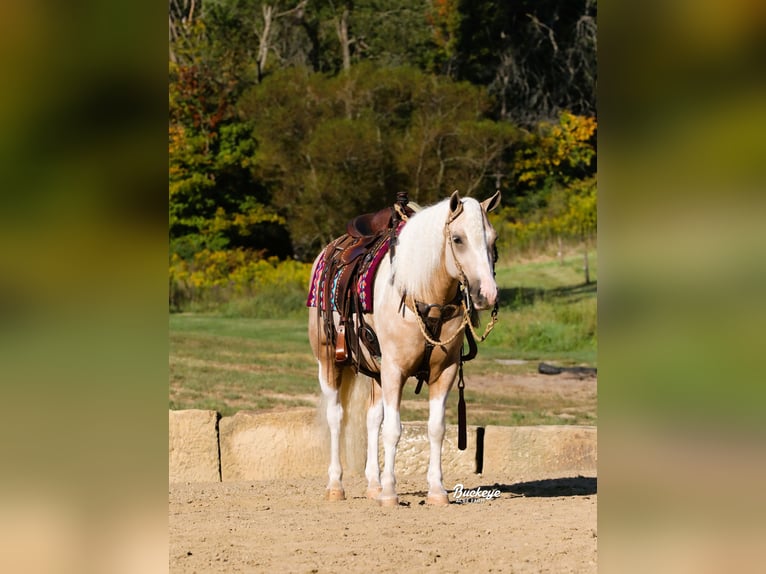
329	381
393	381
374	420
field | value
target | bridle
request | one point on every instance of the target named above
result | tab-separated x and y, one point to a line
466	303
436	324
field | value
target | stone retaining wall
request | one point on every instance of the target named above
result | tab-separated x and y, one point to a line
204	447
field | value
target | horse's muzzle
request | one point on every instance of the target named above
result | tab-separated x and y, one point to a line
484	298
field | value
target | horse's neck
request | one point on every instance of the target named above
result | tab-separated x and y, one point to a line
445	288
440	290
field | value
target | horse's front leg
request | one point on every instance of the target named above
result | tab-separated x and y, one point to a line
374	420
438	391
392	382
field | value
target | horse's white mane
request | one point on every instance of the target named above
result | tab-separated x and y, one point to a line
419	256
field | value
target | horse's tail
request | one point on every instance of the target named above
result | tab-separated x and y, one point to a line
355	394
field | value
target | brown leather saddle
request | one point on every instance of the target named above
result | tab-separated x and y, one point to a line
362	233
370	224
345	259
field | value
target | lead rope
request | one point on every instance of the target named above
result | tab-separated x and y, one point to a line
462	441
466	321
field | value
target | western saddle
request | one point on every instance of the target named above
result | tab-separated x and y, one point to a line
346	259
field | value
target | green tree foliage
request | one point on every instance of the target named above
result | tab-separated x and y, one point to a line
289	117
394	33
210	148
336	147
555	183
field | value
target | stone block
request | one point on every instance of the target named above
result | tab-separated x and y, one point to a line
193	446
413	452
265	446
539	451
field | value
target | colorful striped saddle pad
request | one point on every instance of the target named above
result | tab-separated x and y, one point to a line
362	280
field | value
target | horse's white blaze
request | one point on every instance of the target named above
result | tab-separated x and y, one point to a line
477	256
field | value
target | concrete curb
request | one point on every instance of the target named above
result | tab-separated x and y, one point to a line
261	446
513	451
193	446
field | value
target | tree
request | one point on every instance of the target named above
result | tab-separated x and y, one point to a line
557	152
322	156
448	144
445	18
295	115
537	57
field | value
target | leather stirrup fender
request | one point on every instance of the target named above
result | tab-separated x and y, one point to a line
341	352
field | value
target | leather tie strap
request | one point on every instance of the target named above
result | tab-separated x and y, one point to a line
462	441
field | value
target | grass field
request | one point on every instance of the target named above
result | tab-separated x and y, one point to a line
547	313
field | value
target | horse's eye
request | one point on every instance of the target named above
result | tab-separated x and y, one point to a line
456	239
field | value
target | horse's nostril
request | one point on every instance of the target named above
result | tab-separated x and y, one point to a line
480	301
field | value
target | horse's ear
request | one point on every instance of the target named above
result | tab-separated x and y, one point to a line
491	203
455	205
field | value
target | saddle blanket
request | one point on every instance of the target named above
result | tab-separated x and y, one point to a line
363	285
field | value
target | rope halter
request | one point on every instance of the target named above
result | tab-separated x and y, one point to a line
466	303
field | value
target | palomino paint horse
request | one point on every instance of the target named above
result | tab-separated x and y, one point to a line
440	247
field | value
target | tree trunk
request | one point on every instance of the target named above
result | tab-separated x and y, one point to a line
172	35
263	44
345	45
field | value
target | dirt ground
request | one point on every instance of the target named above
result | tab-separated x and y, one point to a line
287	526
535	524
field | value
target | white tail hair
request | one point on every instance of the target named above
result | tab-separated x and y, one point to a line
355	393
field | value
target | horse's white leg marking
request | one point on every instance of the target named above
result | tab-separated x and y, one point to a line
392	431
334	418
438	392
374	420
436	427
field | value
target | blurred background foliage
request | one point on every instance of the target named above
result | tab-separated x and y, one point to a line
682	129
289	117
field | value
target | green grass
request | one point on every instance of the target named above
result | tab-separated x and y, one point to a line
231	364
546	313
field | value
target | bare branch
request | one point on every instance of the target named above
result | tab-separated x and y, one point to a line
551	34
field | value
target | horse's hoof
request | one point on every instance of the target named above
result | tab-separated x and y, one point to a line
437	499
373	492
388	501
335	494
